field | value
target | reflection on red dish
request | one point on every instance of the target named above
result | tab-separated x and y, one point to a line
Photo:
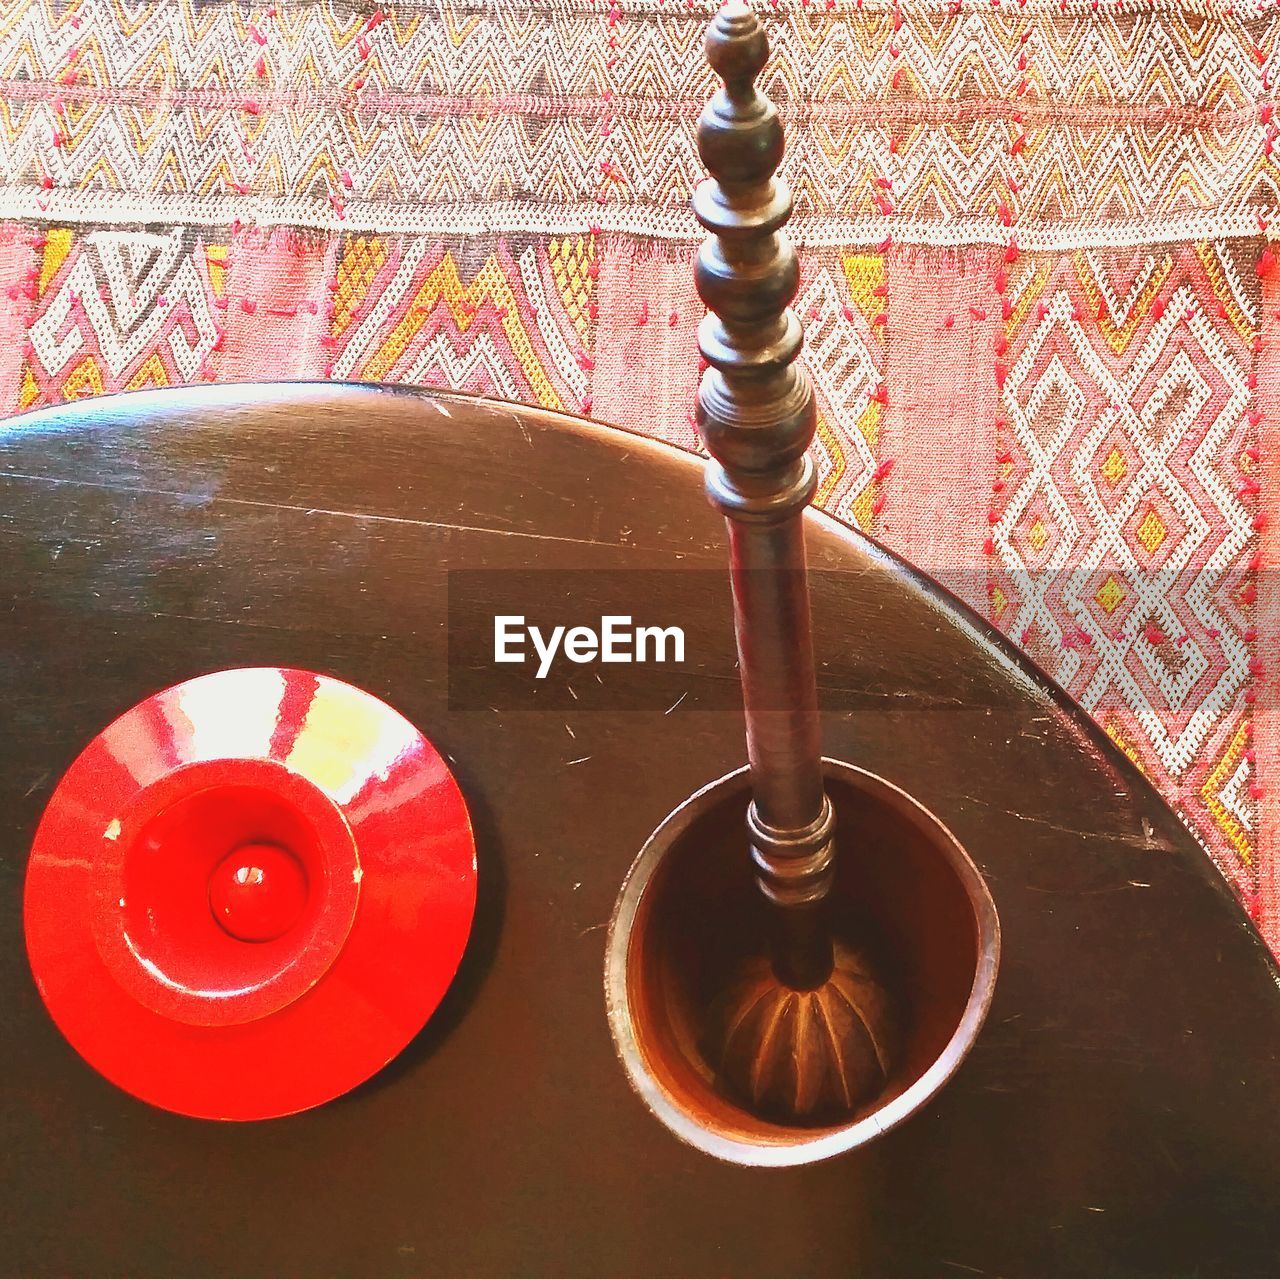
249	893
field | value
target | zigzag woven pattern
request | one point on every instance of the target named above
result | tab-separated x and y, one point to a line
1042	312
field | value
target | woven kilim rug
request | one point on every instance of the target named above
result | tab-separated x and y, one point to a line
1043	319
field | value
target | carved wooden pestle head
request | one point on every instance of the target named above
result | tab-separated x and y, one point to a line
806	1035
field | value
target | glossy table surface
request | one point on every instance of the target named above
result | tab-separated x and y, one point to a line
1116	1117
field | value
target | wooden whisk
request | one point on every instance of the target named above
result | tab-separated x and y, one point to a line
806	1034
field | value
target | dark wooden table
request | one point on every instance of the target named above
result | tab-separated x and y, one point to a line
1117	1116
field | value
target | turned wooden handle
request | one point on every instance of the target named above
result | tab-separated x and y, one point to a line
757	417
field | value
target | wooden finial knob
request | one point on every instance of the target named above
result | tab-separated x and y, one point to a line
739	134
755	407
736	45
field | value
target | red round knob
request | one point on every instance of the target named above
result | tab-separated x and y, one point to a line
249	893
258	892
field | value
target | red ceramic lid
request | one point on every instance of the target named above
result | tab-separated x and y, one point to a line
249	893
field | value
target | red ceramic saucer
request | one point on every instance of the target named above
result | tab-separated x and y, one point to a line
249	893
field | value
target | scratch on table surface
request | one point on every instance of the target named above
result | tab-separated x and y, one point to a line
220	621
518	419
676	702
1077	892
1148	840
331	512
581	760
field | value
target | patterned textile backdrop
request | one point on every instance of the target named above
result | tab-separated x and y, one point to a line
1043	318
